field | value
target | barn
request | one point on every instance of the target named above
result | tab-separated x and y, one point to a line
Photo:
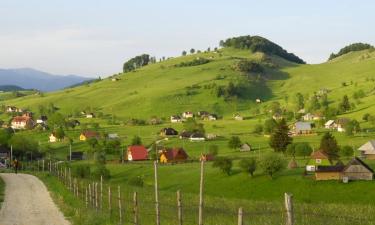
358	170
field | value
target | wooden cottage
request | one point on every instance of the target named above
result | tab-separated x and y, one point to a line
173	155
302	128
246	147
329	172
368	150
168	132
317	158
137	153
357	170
88	134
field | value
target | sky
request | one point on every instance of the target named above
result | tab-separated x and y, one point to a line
94	37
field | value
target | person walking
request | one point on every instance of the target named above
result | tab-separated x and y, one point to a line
15	165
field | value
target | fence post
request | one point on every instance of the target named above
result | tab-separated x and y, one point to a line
96	196
70	180
90	197
200	219
156	193
43	165
101	192
240	216
119	204
38	165
179	207
289	209
109	200
87	203
135	209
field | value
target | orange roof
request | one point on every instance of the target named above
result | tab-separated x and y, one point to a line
21	119
319	155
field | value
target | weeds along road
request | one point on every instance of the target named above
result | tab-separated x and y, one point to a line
27	202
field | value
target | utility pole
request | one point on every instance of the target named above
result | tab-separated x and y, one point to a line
70	152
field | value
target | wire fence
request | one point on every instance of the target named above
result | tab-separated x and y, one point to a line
123	205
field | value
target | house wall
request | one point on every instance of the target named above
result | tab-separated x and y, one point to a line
358	172
327	175
368	156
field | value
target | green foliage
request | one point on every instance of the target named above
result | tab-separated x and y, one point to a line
59	133
136	62
351	48
234	142
280	137
299	101
224	164
248	165
249	66
56	120
258	129
346	151
366	117
82	171
191	125
213	150
136	140
272	163
5	136
359	94
269	126
23	144
100	170
345	105
112	146
352	127
303	149
195	62
184	53
260	44
136	181
328	144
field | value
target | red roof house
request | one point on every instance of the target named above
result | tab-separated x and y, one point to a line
137	152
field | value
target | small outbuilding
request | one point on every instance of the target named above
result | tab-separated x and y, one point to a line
245	147
173	155
169	131
137	153
329	172
368	150
356	169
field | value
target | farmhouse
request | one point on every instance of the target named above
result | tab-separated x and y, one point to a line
53	138
245	147
302	128
328	172
357	170
13	109
90	115
168	132
88	134
203	113
113	136
173	155
137	153
238	117
341	123
187	115
22	122
311	117
330	124
185	134
318	158
197	137
210	117
258	100
42	120
176	119
368	150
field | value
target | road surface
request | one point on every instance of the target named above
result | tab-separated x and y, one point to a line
27	202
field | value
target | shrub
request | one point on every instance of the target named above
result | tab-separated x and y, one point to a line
82	171
272	163
195	62
248	165
224	164
136	181
100	170
346	151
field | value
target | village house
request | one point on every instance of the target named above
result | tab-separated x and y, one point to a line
53	138
176	119
301	128
137	153
196	137
211	136
368	150
203	113
173	155
341	123
317	158
168	132
245	147
277	116
13	109
113	136
311	117
356	169
209	117
238	117
42	120
90	115
258	100
22	122
329	172
187	115
88	134
330	124
185	134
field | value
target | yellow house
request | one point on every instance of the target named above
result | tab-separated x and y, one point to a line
82	137
88	134
163	158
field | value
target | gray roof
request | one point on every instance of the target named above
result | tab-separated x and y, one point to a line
303	126
368	148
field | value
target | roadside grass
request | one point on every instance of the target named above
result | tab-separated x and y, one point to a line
2	191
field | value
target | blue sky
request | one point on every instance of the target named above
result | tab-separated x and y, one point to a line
94	38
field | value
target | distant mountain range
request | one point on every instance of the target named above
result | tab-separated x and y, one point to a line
28	78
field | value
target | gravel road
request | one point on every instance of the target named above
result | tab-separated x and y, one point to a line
27	202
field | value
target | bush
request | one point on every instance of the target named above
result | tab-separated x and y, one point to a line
346	151
234	142
224	164
258	129
248	165
272	163
136	181
100	170
195	62
82	171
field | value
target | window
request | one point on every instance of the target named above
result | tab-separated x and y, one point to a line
318	161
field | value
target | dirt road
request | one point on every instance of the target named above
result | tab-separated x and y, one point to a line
27	202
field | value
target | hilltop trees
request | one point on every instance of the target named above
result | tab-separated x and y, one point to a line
351	48
184	53
260	44
192	51
280	137
345	106
328	144
136	62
